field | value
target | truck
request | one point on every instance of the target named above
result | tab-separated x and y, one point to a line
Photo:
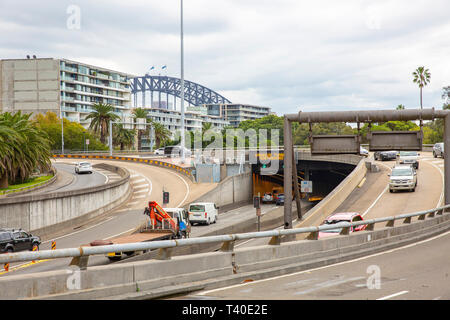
159	226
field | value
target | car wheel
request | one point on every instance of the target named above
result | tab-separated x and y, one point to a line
208	222
391	191
10	250
434	154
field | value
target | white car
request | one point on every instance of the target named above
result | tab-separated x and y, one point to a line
203	212
159	151
82	167
410	158
267	198
403	178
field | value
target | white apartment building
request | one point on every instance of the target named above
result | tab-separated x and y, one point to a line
235	113
62	86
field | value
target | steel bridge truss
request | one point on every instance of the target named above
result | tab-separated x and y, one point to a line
195	94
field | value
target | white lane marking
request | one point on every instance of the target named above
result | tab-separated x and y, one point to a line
441	199
187	188
141	186
70	234
106	177
142	191
119	234
137	186
144	178
325	267
379	196
393	295
327	284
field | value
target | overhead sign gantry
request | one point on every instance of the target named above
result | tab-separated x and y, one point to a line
393	140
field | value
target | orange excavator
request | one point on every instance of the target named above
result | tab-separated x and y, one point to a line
160	219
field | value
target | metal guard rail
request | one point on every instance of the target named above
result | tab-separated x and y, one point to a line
226	239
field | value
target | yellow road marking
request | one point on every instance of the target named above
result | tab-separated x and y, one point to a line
23	266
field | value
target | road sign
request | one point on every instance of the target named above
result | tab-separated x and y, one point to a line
306	186
87	141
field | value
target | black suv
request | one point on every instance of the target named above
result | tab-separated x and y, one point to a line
12	240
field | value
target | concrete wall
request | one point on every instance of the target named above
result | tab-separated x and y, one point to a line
46	213
156	278
232	191
29	85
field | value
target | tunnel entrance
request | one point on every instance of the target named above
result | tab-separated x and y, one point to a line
325	177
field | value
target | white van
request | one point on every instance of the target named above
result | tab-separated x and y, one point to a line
203	212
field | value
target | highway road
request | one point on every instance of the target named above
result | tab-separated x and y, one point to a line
418	271
147	183
372	199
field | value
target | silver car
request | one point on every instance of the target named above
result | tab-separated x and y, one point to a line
403	178
438	150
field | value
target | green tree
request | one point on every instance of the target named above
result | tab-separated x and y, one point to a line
102	115
122	137
74	133
25	149
422	77
162	134
400	107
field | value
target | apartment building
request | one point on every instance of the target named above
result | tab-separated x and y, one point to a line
62	86
236	113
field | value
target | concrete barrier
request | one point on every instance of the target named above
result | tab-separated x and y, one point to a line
44	214
182	274
232	192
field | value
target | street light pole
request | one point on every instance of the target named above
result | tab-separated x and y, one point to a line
62	130
182	87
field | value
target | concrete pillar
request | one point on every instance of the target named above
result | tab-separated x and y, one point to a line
287	173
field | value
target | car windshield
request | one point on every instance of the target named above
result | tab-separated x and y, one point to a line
331	222
197	208
401	172
408	153
85	164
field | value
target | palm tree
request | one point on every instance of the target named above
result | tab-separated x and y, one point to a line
140	113
161	133
422	78
25	149
400	107
100	118
122	136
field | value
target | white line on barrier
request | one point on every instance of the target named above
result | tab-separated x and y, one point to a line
393	295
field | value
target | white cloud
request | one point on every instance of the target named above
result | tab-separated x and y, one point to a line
284	54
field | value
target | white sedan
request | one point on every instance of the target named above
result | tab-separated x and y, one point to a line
159	151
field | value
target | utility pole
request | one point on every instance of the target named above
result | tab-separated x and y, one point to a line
182	88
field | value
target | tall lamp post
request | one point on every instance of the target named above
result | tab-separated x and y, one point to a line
182	88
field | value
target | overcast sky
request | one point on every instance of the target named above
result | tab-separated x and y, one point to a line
286	54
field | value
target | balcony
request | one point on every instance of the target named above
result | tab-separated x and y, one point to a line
66	98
